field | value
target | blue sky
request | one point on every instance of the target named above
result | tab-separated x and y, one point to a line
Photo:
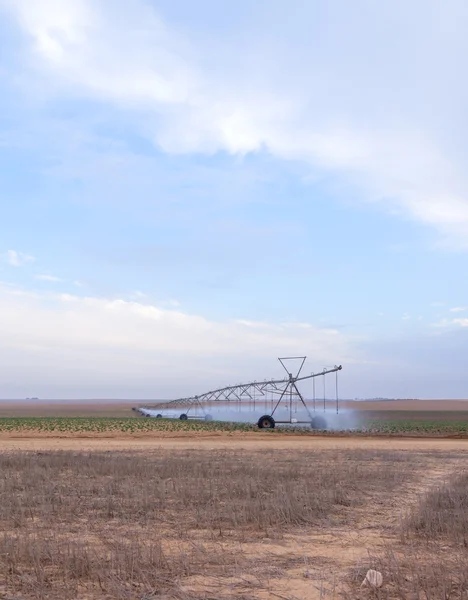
189	190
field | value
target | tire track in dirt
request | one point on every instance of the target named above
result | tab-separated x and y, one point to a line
375	529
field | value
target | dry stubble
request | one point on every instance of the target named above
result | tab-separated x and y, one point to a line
172	524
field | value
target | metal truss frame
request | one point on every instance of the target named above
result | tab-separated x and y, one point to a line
277	390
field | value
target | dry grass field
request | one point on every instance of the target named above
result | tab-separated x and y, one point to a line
214	518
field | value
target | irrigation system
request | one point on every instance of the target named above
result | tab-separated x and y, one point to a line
267	395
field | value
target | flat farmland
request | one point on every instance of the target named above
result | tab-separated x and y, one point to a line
391	409
97	503
445	405
66	408
421	422
412	415
419	418
391	425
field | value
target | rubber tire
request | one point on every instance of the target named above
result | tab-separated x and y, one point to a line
147	415
158	416
266	422
318	423
208	417
183	417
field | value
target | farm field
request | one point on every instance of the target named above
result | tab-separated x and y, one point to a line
208	524
66	409
131	508
368	423
104	425
415	422
134	508
123	408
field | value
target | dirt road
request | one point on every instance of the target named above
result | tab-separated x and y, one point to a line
215	441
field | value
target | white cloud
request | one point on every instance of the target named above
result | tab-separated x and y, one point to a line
442	323
50	278
457	309
107	342
18	259
450	323
367	103
81	42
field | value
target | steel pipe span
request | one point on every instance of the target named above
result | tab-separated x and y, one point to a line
277	390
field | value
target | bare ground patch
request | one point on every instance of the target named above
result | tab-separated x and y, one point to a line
430	558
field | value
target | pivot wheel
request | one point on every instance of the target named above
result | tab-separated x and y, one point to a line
318	423
266	422
183	417
158	416
208	418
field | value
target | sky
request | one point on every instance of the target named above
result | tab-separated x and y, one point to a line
189	190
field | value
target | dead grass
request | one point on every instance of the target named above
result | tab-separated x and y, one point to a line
217	490
431	563
130	526
413	573
442	513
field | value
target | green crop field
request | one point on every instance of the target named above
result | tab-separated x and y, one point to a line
442	427
95	425
415	422
112	425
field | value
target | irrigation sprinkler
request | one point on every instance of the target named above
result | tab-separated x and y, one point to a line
291	392
270	393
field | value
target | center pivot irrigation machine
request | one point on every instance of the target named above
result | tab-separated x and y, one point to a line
270	396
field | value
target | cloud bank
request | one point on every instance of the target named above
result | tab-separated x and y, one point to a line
18	259
350	90
59	343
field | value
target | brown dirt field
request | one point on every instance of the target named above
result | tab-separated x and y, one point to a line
410	405
67	409
222	440
124	409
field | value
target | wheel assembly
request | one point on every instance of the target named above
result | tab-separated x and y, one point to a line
318	423
208	418
183	417
266	422
158	416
